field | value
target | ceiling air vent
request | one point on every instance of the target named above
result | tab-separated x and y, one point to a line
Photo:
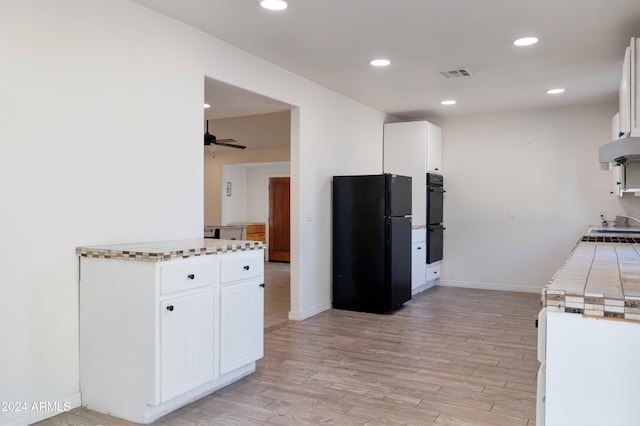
455	73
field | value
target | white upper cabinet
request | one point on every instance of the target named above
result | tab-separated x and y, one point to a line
629	95
615	126
434	149
413	149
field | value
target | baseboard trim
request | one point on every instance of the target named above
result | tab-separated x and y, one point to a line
489	286
36	411
308	313
427	286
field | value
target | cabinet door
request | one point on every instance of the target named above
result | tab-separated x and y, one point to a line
617	183
635	91
241	324
625	95
434	149
186	343
418	264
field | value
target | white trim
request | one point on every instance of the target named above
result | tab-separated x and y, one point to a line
308	313
490	286
32	414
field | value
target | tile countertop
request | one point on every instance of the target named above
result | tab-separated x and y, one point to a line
159	251
600	279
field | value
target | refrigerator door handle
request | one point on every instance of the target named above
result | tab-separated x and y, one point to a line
387	231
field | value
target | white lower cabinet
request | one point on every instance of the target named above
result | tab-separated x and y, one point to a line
186	343
241	331
155	336
433	271
241	311
589	375
418	265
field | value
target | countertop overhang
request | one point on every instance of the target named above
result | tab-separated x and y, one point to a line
600	278
159	251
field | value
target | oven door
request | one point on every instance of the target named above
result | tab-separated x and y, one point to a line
434	204
434	243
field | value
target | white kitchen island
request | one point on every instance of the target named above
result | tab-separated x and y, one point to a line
165	323
589	336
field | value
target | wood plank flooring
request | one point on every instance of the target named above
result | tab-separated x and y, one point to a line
451	356
277	290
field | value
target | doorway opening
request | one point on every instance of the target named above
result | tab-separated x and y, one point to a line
236	181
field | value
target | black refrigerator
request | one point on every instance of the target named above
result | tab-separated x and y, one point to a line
371	242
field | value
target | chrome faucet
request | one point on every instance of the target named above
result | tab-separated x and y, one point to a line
629	218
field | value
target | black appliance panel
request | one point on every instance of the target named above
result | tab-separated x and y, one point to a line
435	192
399	265
434	179
435	198
359	236
399	195
434	243
366	269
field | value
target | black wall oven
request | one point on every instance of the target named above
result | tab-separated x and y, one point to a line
435	195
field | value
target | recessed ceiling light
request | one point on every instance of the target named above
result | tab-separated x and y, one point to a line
525	41
555	91
448	102
207	105
380	62
274	4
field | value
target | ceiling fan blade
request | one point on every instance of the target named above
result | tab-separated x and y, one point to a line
210	139
223	142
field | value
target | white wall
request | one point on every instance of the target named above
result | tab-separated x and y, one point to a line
258	189
234	206
213	181
101	141
540	164
249	200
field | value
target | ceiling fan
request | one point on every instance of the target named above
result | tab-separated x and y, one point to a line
210	139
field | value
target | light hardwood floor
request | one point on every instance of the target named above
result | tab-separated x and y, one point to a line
277	299
450	356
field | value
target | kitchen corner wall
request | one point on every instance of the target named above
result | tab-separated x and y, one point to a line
522	187
101	141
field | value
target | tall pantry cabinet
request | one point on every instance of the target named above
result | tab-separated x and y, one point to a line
413	149
629	98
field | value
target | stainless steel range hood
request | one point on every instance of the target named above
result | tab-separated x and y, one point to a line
621	151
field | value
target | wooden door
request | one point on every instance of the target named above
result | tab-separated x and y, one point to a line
279	243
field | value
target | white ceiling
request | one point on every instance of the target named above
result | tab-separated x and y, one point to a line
227	101
332	41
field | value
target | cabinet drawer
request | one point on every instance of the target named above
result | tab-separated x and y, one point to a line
186	275
433	272
241	268
255	229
